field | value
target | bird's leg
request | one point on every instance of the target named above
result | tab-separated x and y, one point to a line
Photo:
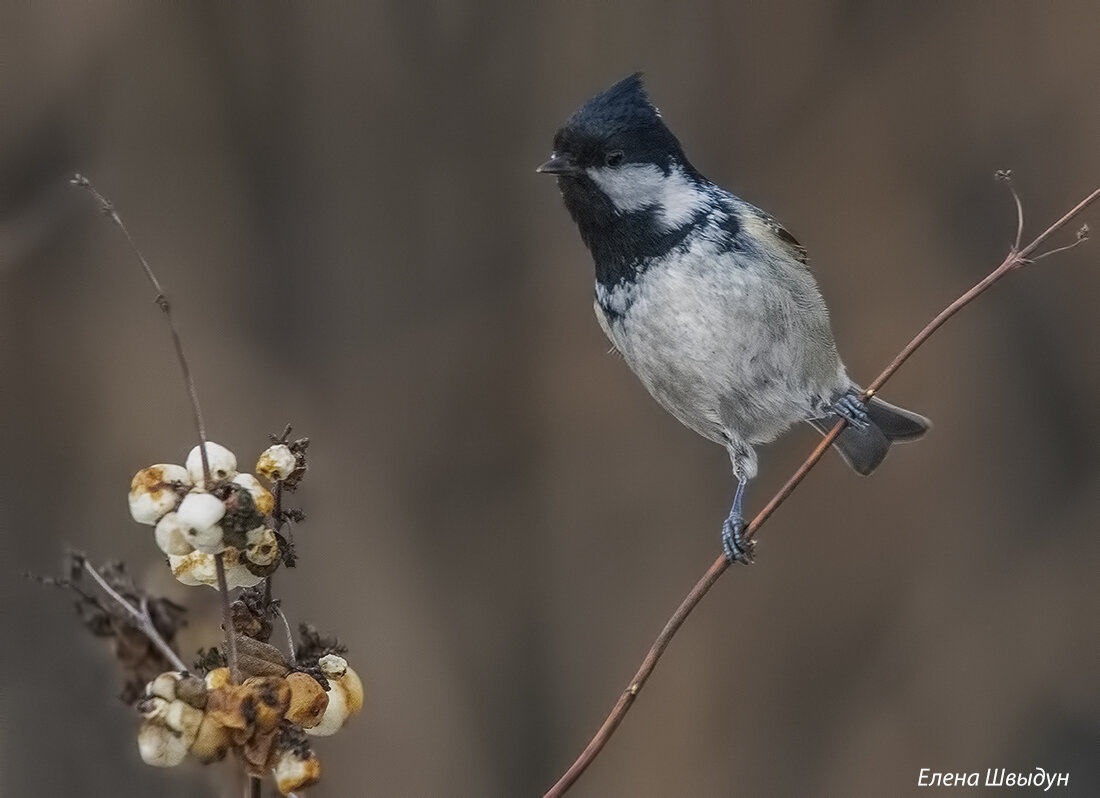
849	407
737	549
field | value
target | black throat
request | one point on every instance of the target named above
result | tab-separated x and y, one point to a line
622	244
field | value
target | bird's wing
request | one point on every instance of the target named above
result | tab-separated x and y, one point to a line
765	228
786	241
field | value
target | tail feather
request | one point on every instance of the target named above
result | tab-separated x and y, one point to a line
897	423
864	449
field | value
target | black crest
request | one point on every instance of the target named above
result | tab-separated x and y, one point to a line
621	108
620	117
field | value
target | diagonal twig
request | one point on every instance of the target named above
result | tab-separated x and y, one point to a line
139	616
108	208
1015	259
286	627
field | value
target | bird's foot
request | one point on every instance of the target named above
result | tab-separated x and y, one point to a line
850	408
738	549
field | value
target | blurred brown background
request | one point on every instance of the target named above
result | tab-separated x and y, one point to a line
341	202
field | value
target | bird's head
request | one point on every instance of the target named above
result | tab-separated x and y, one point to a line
615	156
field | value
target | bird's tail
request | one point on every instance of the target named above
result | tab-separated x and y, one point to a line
864	448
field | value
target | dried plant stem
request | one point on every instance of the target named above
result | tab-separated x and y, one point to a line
140	616
1015	259
108	209
277	514
289	634
253	786
227	620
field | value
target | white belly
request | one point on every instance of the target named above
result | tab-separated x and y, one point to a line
725	350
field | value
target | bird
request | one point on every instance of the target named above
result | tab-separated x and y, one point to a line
708	299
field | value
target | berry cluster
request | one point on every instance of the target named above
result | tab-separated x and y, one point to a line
195	519
264	711
264	719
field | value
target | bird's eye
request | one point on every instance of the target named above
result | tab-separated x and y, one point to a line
614	158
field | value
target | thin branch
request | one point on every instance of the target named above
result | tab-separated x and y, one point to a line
227	620
142	620
108	209
1017	258
289	634
1005	175
277	514
1082	237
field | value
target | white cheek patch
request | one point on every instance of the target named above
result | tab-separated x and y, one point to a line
630	187
636	186
682	199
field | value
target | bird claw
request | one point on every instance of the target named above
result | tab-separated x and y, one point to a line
736	547
851	408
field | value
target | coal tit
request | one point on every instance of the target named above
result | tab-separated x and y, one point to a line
708	299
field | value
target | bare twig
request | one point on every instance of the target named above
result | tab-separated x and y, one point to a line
289	634
1082	237
277	514
1016	259
142	620
1005	175
227	620
108	209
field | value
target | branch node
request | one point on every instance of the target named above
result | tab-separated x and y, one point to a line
1005	176
140	617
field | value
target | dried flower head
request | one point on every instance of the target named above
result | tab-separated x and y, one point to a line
308	700
296	766
212	741
140	658
252	613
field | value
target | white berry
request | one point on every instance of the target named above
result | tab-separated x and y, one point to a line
198	516
276	462
171	535
345	695
198	568
222	462
153	491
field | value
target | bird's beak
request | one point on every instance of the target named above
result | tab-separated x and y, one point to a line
558	165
